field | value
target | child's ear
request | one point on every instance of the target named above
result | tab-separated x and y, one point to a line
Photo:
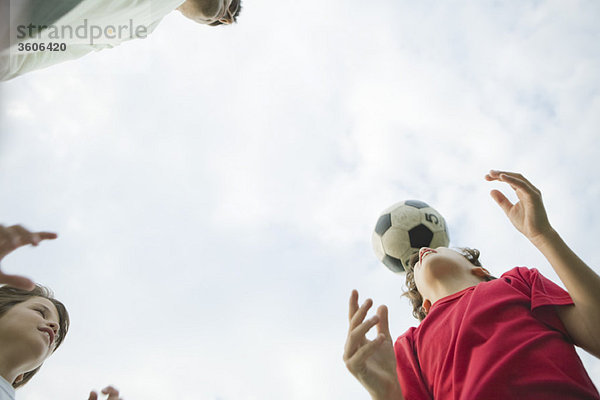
480	272
426	306
18	379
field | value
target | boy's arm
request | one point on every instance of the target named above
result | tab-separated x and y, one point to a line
582	320
11	238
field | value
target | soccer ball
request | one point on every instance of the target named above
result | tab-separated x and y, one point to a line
403	229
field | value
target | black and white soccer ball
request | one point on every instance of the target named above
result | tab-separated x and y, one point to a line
403	229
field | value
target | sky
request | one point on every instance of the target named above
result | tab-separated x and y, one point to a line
215	189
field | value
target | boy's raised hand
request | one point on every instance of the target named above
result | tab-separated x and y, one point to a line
528	215
12	238
113	394
372	362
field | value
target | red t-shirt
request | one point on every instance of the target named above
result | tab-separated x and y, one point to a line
498	340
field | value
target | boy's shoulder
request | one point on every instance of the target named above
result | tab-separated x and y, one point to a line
406	341
527	279
522	273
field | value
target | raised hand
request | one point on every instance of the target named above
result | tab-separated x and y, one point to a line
12	238
372	362
528	215
113	394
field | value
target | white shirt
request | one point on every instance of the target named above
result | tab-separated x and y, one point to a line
7	392
92	25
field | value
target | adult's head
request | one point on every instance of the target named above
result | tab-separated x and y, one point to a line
429	268
211	12
32	326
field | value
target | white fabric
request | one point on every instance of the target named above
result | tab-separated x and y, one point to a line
7	392
102	14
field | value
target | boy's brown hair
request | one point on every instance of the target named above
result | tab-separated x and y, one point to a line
415	298
10	296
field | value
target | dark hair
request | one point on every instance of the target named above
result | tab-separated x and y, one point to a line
10	297
415	298
238	8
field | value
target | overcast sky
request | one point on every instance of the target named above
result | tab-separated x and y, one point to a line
215	189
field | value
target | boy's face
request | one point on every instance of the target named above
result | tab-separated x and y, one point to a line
29	329
439	264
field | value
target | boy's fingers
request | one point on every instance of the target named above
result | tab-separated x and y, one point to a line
360	315
364	352
37	237
356	337
515	175
530	191
7	238
110	390
16	281
513	179
46	235
4	231
493	175
516	183
502	201
19	235
360	331
113	394
353	306
383	325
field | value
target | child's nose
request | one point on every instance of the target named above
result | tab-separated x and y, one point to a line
54	327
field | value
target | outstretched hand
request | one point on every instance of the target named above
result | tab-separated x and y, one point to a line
372	362
12	238
113	394
528	215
